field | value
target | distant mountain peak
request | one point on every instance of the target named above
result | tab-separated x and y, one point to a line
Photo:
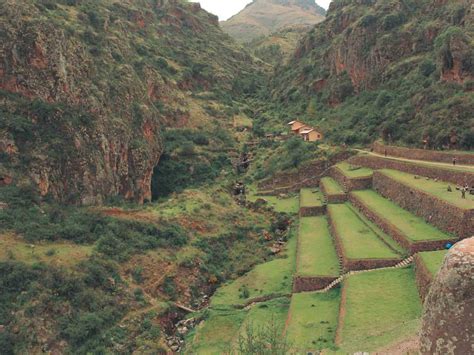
263	17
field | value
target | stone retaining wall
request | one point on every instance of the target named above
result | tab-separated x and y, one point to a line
311	283
424	154
392	230
312	211
305	176
356	264
350	184
333	198
424	278
441	173
435	211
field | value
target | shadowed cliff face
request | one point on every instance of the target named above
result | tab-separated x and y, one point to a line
448	326
86	87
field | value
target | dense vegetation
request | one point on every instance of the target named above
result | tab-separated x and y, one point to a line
420	88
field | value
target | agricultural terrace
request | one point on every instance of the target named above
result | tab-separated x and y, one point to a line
316	253
273	277
312	320
413	227
331	186
311	198
354	171
359	241
390	295
438	189
289	204
433	260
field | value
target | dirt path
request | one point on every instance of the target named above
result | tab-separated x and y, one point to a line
406	346
468	168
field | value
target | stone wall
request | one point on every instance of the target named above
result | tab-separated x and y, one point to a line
424	278
392	230
312	211
441	173
333	198
311	283
423	154
435	211
356	264
308	175
348	183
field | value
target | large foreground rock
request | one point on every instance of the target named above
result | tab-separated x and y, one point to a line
448	321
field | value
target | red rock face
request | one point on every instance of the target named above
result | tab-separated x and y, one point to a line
448	317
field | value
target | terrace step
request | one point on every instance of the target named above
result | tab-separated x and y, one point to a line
332	191
341	278
311	202
359	244
351	177
429	199
409	231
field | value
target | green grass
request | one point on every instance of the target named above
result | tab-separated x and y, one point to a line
358	240
381	234
354	171
433	260
313	320
381	308
415	228
311	198
331	186
271	313
273	277
289	205
438	189
316	254
217	334
13	247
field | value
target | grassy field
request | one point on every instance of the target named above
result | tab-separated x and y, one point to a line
313	321
331	186
380	233
13	247
415	228
435	188
217	335
311	198
263	314
273	277
433	260
354	171
359	241
289	205
381	307
316	254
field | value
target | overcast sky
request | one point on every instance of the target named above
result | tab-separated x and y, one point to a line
226	8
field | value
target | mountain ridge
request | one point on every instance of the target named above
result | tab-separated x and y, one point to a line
263	17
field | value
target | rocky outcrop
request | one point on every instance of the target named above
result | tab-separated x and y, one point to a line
447	326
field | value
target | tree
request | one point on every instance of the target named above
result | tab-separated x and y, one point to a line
265	340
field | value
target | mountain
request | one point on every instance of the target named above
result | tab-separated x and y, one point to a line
263	17
402	70
87	87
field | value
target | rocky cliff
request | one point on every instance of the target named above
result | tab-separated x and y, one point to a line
401	69
87	86
263	17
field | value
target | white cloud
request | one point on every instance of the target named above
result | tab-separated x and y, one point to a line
227	8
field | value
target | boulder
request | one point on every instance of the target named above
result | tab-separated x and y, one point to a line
448	316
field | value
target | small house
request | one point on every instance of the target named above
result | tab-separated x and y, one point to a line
311	135
296	126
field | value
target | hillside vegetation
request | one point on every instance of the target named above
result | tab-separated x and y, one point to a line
401	70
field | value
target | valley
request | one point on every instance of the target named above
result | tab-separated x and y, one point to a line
154	198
